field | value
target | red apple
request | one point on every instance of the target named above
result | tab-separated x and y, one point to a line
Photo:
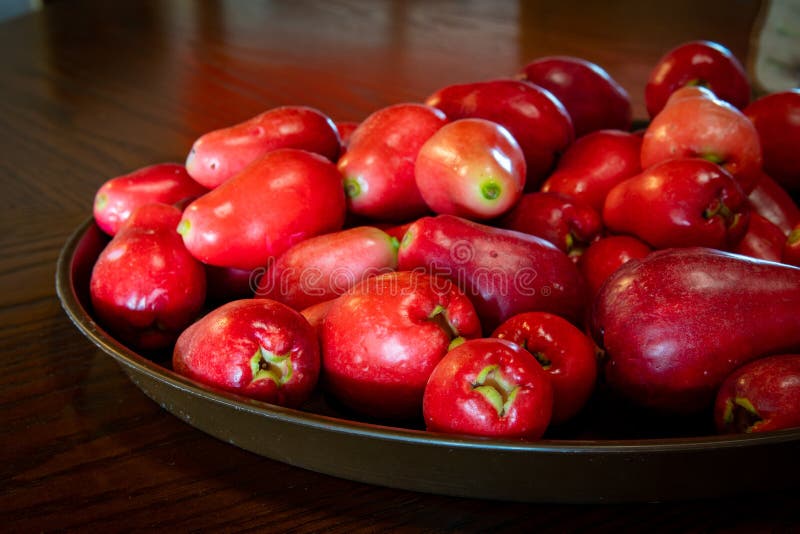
280	199
567	223
594	164
606	255
117	199
323	267
760	396
382	339
472	168
504	272
536	119
776	117
378	167
697	63
696	124
258	348
772	202
565	352
220	155
679	203
594	100
489	387
145	286
763	240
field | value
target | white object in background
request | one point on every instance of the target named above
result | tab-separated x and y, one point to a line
777	43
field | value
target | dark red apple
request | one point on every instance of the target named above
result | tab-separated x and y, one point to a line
382	339
258	348
760	396
565	352
697	63
472	168
776	117
772	202
488	387
763	240
595	163
536	119
504	272
606	255
676	323
567	223
679	202
594	100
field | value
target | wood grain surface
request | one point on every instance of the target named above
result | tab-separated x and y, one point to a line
91	90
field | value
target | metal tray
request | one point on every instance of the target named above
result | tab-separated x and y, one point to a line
611	453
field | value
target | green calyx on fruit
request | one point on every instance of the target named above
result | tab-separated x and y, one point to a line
543	360
439	316
497	391
741	414
718	208
714	158
698	82
351	187
408	237
266	365
183	227
101	201
794	236
490	190
455	343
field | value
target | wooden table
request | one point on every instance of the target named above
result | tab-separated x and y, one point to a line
91	90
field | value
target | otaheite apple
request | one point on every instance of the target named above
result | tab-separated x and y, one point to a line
472	168
218	156
760	396
776	117
382	339
145	286
489	387
676	323
258	348
606	255
564	352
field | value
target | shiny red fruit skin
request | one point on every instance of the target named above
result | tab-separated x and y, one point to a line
380	344
378	167
118	198
218	156
672	204
595	163
791	249
280	199
452	405
772	201
593	99
606	255
696	124
345	130
771	385
572	364
217	350
763	240
536	119
776	117
504	272
326	266
565	222
145	286
227	283
459	162
675	324
702	63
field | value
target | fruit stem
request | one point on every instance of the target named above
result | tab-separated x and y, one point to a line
490	190
351	187
183	227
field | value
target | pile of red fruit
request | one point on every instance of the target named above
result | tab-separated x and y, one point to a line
482	259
